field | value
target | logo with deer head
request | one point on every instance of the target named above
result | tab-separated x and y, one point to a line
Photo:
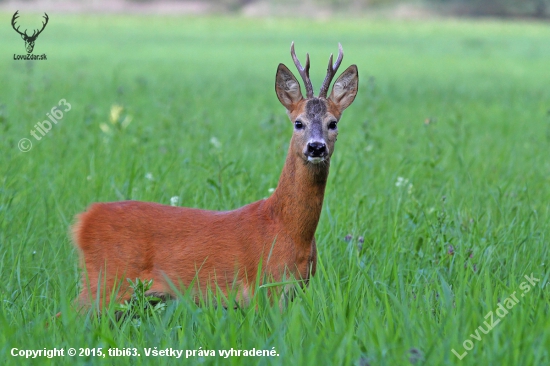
29	40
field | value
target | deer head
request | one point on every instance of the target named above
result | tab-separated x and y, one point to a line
29	40
315	118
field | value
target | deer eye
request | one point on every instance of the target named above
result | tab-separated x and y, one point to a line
332	125
298	125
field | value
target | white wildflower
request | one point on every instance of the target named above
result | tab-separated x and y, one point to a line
401	182
271	190
215	142
174	201
149	176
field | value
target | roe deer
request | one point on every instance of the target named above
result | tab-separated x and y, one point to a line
188	246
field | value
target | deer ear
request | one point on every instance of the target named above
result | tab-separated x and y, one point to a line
287	88
345	88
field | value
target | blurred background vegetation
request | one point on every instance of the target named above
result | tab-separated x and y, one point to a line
498	8
535	9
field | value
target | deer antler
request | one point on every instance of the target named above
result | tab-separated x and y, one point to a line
36	31
304	71
35	34
331	71
15	16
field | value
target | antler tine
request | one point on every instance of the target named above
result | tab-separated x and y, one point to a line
13	19
331	71
43	24
304	72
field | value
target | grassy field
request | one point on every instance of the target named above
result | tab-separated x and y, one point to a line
437	205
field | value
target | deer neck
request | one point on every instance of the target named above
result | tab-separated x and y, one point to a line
298	198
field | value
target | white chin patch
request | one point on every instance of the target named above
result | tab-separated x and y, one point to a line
315	160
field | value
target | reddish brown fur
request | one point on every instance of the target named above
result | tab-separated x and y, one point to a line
132	239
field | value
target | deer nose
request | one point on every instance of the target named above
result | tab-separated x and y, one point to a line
316	149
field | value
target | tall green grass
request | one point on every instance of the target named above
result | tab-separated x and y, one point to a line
437	204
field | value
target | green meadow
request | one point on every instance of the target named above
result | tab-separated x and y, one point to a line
437	204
